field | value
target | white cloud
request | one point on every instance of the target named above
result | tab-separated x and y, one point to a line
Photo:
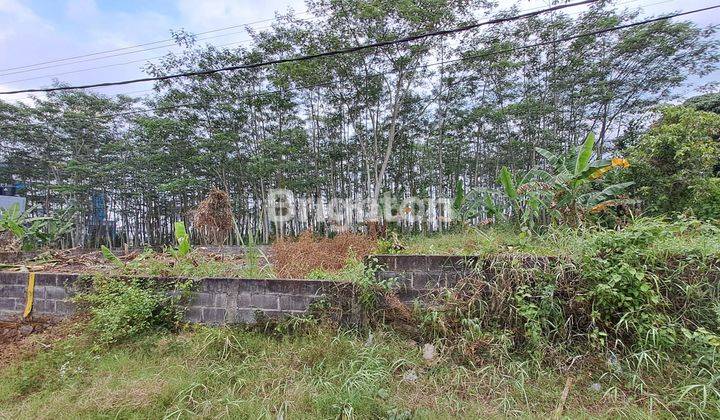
25	98
13	16
81	10
210	14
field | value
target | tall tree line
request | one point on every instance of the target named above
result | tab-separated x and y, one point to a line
411	119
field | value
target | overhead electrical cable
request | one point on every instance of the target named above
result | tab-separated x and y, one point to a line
445	62
58	60
149	59
329	53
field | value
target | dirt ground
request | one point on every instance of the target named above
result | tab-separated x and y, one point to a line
20	338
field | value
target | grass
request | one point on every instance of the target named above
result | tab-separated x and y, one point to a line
627	325
487	241
195	265
204	372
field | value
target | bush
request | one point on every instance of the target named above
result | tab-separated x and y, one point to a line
705	202
643	287
672	162
122	310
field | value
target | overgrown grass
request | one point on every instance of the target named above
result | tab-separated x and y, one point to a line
487	241
211	372
194	265
627	321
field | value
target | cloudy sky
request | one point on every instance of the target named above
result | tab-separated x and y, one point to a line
35	34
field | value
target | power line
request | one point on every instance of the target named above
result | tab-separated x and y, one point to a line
142	45
171	45
445	62
148	59
310	56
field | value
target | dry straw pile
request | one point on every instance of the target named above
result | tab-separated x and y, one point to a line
213	218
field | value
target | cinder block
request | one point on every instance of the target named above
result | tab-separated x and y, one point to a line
245	316
194	314
410	262
264	301
298	287
64	307
44	306
55	292
214	316
13	290
252	285
7	304
295	302
215	285
9	277
220	300
429	280
243	299
203	299
20	304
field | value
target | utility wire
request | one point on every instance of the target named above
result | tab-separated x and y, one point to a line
445	62
310	56
243	25
148	59
171	45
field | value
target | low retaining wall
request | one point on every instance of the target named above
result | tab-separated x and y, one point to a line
215	300
420	275
231	300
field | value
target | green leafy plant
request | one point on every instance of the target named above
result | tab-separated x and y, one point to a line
108	254
183	241
125	309
567	191
20	230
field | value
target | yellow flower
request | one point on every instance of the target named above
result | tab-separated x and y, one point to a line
620	163
600	172
600	207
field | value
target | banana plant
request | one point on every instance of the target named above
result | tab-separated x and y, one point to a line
569	179
29	231
526	197
183	241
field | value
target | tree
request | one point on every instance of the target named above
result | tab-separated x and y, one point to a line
674	160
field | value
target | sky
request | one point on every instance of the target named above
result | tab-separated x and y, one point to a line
43	31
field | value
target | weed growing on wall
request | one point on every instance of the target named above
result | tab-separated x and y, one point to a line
125	309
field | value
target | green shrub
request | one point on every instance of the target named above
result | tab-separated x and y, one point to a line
126	309
636	289
705	202
671	163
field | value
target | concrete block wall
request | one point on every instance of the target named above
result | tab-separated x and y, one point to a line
421	275
51	294
226	300
214	301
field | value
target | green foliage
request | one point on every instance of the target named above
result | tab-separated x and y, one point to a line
151	166
121	310
108	254
709	102
582	161
671	163
31	232
567	192
183	241
230	372
370	289
507	182
705	202
607	289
